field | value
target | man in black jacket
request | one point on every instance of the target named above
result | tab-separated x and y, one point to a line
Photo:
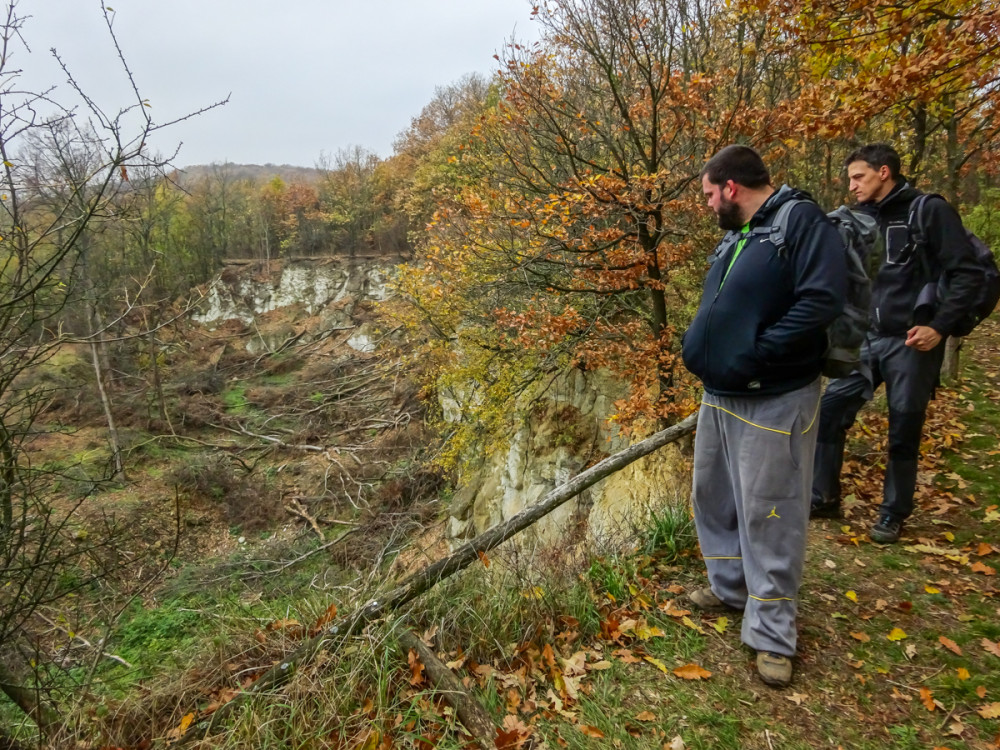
905	344
757	343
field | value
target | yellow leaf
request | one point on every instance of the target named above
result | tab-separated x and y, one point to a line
932	590
989	711
721	624
373	740
692	672
181	728
897	634
949	536
535	592
852	596
657	663
691	624
963	673
645	632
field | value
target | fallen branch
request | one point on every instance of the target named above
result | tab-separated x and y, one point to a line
296	508
420	582
472	715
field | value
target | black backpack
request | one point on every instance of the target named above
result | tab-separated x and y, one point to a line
989	288
859	232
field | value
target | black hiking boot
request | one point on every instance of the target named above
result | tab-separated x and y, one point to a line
886	531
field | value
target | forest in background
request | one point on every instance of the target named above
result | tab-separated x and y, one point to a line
549	218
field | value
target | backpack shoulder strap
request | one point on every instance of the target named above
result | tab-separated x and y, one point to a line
777	229
916	221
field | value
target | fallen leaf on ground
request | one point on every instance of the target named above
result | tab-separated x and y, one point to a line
989	711
963	673
692	672
691	624
897	634
986	570
851	595
993	648
721	624
645	716
927	698
657	663
591	731
797	698
949	644
863	637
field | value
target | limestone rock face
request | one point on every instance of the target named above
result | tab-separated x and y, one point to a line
565	434
329	288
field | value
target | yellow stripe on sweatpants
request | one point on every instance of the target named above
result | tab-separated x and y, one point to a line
779	599
762	427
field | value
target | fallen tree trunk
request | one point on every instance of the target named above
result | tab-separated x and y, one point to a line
472	715
422	581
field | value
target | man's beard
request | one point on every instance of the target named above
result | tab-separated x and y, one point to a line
729	215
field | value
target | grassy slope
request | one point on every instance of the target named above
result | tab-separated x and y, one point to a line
582	652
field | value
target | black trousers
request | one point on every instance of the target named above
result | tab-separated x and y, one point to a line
910	377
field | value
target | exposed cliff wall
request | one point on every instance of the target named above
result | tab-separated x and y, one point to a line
328	288
567	433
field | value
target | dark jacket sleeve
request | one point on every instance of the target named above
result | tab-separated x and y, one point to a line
819	266
955	258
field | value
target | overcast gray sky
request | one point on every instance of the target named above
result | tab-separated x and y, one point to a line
303	76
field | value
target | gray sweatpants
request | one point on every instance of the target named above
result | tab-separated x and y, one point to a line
753	465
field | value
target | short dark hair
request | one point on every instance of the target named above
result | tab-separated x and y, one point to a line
876	156
741	164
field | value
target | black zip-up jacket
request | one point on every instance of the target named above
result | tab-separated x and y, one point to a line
763	331
903	272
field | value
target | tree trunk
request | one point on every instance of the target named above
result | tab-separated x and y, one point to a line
951	368
96	339
28	701
472	715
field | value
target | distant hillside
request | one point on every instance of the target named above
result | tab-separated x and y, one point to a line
255	172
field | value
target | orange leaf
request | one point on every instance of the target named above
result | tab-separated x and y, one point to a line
416	668
513	734
963	673
692	672
863	637
645	716
591	731
927	699
483	558
949	644
986	570
984	549
981	691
